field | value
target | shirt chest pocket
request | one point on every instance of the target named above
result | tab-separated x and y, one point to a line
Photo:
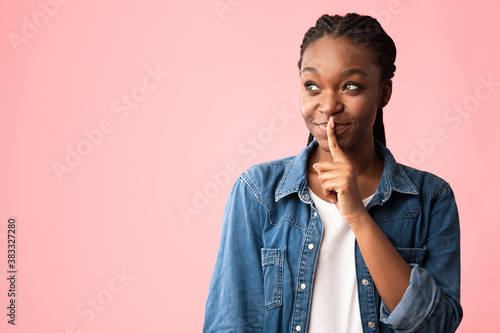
272	270
412	255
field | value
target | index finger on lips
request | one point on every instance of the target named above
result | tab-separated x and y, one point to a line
335	150
332	139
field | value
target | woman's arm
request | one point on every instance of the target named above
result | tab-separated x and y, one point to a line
414	298
389	271
432	301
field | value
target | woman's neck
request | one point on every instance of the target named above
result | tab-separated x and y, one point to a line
367	163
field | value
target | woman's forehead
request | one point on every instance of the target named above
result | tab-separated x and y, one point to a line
336	54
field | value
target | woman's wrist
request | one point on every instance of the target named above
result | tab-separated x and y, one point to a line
360	222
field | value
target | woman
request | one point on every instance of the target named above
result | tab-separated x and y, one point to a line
339	238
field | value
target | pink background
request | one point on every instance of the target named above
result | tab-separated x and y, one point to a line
225	97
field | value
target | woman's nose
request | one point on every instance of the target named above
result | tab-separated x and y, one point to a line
330	104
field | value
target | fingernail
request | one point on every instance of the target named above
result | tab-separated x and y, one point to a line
332	122
314	165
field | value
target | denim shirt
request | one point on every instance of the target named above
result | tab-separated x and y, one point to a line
272	232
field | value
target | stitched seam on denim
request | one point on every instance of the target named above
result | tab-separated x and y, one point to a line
281	264
371	296
433	196
289	220
251	185
245	177
255	193
413	255
277	259
285	174
439	193
403	173
282	163
287	193
271	258
400	216
294	313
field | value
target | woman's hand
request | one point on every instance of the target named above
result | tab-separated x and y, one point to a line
388	269
338	180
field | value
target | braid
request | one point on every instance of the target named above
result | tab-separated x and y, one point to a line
366	32
378	127
310	139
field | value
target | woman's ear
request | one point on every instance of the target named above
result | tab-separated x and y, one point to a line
386	93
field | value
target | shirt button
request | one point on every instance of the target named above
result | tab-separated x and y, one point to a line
310	246
298	328
365	282
305	195
315	214
303	286
371	324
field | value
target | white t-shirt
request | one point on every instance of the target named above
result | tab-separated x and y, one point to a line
335	304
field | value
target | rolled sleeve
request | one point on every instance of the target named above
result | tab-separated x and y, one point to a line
420	299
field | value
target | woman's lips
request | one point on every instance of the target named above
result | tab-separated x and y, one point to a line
323	126
339	128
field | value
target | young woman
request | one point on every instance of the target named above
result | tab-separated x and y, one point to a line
340	238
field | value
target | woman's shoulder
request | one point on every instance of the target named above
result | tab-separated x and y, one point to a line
273	179
427	183
263	179
266	171
411	180
279	167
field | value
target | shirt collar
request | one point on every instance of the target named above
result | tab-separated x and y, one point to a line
394	178
295	176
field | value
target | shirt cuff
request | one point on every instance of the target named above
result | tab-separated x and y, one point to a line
418	302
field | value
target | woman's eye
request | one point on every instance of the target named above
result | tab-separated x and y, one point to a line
351	86
311	86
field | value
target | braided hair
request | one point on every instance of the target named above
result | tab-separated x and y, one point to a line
364	31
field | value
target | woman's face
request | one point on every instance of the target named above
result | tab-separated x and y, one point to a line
339	79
